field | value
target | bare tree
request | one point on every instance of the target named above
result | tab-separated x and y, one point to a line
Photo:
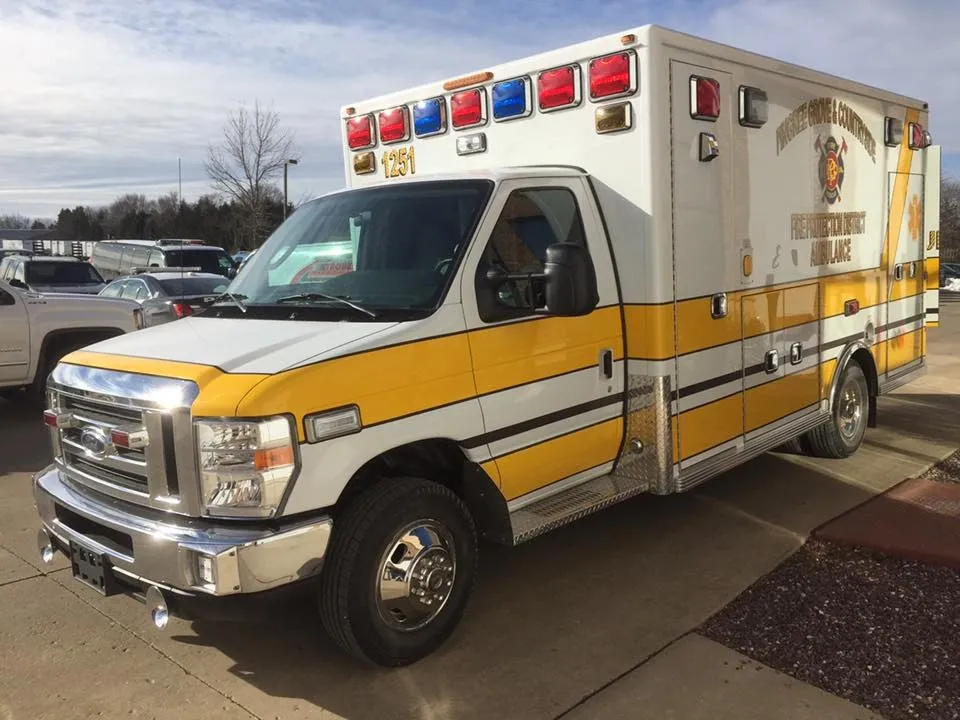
950	219
251	155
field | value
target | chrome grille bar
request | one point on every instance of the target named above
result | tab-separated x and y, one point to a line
96	402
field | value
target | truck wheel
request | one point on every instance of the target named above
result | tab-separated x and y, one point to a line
37	390
842	435
398	572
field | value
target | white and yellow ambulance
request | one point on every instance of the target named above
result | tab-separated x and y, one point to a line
619	267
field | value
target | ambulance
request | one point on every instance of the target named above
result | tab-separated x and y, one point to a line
618	268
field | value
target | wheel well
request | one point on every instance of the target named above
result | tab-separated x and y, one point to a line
864	358
442	461
71	338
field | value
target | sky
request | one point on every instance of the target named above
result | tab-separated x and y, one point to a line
101	97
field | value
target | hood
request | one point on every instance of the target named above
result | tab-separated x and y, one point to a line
85	289
242	346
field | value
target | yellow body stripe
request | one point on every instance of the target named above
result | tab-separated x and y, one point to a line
771	401
932	268
710	425
515	354
535	467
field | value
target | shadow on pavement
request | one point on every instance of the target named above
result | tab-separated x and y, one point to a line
26	443
553	620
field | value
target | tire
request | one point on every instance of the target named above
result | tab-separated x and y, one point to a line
398	632
793	447
842	435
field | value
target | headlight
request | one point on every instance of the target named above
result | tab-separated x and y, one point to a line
245	465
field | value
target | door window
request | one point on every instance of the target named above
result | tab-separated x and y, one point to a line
114	289
531	221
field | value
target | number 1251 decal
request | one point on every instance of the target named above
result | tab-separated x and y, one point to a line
399	162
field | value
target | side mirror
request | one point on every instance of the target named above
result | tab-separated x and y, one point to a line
20	284
571	282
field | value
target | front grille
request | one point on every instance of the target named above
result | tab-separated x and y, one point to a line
93	402
123	468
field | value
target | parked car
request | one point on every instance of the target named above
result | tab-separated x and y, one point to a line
117	258
51	274
170	294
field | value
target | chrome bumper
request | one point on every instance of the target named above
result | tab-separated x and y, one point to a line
162	550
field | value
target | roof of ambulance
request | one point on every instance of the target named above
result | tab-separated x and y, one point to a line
585	48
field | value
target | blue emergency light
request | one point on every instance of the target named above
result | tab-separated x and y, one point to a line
429	117
511	99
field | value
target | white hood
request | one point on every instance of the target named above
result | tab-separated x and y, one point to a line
242	346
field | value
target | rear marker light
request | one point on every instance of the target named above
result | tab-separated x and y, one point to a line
613	76
472	144
395	125
558	88
360	132
851	307
614	118
430	117
181	310
468	108
704	98
511	99
364	163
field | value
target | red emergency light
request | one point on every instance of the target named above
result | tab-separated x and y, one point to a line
704	98
919	139
467	108
559	88
612	76
360	132
394	124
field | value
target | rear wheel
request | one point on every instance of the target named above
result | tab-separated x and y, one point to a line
399	571
37	390
842	435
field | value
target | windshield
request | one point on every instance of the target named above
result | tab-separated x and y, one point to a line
194	286
62	273
209	261
381	248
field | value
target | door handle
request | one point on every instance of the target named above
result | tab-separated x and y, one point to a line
718	306
771	361
898	272
796	353
606	363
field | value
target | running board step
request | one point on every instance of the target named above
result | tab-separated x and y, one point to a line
569	505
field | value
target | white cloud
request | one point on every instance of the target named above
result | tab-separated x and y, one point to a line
104	96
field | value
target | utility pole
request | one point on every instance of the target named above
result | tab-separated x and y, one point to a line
285	166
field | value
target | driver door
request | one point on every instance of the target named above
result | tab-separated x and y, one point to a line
550	387
14	338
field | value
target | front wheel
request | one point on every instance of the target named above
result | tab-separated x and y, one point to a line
399	571
842	435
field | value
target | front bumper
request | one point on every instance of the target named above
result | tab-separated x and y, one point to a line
150	548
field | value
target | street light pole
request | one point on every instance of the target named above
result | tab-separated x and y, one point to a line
285	166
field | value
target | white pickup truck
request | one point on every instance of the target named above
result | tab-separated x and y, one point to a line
37	330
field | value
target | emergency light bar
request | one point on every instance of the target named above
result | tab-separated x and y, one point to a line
613	75
360	132
395	125
430	117
559	88
468	108
511	99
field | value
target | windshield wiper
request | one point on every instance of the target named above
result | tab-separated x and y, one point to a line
332	298
236	298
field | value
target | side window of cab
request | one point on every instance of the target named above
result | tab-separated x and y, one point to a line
510	278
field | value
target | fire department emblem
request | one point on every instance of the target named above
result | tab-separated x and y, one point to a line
830	167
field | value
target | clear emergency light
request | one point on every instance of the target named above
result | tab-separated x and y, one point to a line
468	108
394	125
429	117
559	88
511	99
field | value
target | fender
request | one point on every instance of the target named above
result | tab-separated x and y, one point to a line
869	370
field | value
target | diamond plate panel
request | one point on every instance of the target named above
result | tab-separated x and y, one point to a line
648	428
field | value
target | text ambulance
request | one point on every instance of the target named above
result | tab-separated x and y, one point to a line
620	267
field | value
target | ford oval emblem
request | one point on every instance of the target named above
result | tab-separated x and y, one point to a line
95	442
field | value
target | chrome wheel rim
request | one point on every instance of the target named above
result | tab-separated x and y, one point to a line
850	410
416	576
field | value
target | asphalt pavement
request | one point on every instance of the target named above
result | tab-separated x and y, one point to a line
597	620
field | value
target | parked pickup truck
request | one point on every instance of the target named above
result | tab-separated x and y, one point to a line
37	330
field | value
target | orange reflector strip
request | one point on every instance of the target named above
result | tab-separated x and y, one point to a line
273	458
468	81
